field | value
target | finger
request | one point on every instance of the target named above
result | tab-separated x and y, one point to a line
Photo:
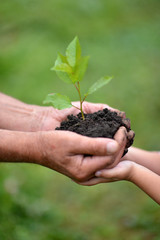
101	158
130	138
110	174
94	163
119	172
121	138
93	107
94	146
84	168
94	181
69	111
127	122
121	114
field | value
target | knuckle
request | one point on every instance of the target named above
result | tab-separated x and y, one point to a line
121	114
131	134
78	174
127	122
130	138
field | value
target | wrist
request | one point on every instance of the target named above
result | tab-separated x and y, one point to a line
18	116
132	171
45	144
18	147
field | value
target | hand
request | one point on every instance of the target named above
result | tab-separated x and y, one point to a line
76	156
48	118
122	171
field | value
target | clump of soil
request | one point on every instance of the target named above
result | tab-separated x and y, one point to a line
103	123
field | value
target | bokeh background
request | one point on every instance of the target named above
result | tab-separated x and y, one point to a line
122	39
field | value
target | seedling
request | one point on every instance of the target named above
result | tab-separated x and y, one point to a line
71	69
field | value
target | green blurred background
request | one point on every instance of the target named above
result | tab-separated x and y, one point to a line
122	39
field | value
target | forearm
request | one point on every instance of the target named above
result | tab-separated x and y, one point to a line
16	115
18	146
150	160
147	180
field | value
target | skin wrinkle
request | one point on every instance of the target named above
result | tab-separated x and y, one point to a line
80	171
42	145
17	109
13	153
47	149
38	124
30	154
46	115
57	115
17	115
40	118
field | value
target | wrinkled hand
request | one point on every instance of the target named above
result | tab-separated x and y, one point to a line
79	157
48	118
71	154
121	139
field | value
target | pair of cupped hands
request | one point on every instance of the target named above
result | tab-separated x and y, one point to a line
87	161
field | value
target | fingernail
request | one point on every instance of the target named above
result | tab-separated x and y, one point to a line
98	174
112	147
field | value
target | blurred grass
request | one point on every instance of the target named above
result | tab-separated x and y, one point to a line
123	39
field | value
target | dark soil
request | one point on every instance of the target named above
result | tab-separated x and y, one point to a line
99	124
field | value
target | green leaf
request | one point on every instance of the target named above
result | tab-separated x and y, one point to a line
58	101
81	69
60	60
73	52
64	77
61	63
62	67
100	83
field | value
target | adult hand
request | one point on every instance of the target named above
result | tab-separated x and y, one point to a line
48	118
61	151
71	154
76	156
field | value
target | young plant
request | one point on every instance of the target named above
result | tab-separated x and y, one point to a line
71	69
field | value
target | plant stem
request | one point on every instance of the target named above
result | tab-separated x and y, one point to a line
80	98
76	107
84	98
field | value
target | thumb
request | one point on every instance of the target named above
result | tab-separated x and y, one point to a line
94	146
119	172
112	173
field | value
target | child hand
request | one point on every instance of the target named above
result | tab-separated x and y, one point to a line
122	171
